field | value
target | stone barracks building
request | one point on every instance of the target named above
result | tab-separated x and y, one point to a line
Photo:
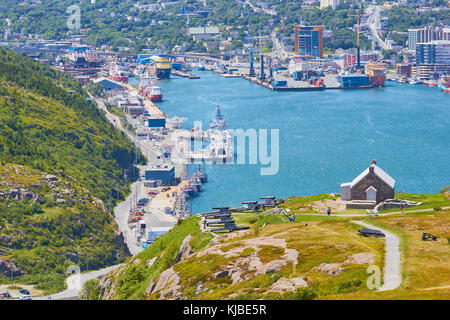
373	184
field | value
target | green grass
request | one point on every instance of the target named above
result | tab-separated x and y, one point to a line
134	279
430	201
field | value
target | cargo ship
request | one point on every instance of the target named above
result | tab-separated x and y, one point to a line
160	66
377	76
444	83
118	73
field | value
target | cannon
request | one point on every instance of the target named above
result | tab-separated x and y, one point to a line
270	201
222	209
371	232
427	236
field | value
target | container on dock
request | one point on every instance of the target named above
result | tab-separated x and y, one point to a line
297	75
177	65
279	83
353	81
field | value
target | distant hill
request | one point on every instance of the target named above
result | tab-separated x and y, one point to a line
61	164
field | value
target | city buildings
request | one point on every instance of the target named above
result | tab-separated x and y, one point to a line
433	53
163	175
432	59
309	41
425	35
403	70
351	57
199	33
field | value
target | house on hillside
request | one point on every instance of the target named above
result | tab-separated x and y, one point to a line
373	184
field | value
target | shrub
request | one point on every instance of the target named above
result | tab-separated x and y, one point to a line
300	294
90	290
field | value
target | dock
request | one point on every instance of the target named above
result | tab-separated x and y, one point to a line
152	108
183	74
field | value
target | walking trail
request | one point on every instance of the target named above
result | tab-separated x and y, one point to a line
392	275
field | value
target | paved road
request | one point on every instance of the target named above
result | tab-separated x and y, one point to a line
75	284
374	22
278	46
392	274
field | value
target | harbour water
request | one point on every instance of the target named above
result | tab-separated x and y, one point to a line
326	137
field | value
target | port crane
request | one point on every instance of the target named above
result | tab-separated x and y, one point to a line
358	46
250	48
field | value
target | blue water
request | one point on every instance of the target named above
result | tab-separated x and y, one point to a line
326	138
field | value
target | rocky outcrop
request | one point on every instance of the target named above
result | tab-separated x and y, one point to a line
199	288
284	285
360	258
9	268
354	259
330	268
167	286
185	250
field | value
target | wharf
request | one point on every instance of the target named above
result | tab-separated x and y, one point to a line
230	75
184	74
152	109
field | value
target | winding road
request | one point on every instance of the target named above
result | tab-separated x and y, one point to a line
75	284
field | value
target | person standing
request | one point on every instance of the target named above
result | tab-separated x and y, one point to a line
401	207
329	211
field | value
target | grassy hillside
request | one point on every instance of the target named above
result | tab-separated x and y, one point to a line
317	257
47	123
61	166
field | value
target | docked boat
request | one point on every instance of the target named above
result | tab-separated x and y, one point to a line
201	175
414	81
149	88
444	83
160	66
219	122
200	67
118	73
156	94
376	73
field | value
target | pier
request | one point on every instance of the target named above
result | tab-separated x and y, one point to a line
184	74
152	108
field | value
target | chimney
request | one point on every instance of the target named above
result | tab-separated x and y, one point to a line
371	168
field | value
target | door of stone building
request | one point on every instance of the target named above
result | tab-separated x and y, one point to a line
371	194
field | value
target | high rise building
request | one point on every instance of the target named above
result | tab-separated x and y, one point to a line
432	59
329	3
309	41
425	35
433	53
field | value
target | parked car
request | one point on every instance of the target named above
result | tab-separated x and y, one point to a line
5	295
25	297
24	292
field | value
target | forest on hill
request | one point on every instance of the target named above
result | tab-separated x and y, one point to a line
62	168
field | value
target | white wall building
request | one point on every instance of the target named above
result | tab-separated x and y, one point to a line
329	3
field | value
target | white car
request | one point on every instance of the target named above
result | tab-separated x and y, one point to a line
25	297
